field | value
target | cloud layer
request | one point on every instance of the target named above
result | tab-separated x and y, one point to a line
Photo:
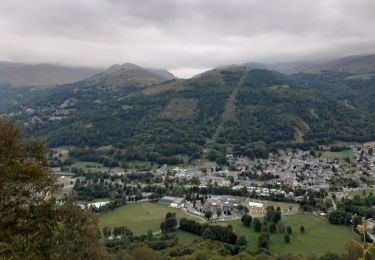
184	36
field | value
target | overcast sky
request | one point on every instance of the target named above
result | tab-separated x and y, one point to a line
184	36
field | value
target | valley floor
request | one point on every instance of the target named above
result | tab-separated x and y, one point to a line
319	238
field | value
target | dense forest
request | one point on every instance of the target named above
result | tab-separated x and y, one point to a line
241	110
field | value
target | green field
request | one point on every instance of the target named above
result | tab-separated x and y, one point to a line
339	155
90	167
140	217
361	194
319	238
186	238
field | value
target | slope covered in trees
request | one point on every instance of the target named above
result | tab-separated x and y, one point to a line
250	111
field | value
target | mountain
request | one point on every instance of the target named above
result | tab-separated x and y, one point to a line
128	75
235	109
351	64
42	75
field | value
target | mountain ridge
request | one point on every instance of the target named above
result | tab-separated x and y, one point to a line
50	75
358	64
239	110
42	75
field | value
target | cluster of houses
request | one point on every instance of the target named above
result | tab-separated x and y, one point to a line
365	158
209	176
239	163
297	169
263	191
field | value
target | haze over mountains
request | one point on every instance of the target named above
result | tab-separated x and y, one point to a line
47	75
351	64
42	75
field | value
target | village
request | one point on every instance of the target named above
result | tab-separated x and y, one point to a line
277	177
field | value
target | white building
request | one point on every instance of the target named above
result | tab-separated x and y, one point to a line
255	205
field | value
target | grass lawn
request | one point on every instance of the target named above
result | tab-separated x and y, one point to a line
339	155
90	167
140	217
361	194
186	238
319	238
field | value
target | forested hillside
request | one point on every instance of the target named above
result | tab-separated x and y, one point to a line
247	111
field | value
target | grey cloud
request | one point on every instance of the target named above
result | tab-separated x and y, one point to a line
183	34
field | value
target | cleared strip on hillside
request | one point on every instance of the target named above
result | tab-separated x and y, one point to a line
179	108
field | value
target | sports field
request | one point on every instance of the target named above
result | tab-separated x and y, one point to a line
140	217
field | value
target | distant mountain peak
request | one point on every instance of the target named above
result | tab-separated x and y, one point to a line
129	74
125	66
42	75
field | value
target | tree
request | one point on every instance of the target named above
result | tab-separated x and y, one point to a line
289	230
32	225
287	239
241	241
277	215
270	210
356	220
218	212
246	219
272	228
257	225
207	234
169	223
273	215
339	217
302	229
107	231
263	241
208	214
163	226
144	252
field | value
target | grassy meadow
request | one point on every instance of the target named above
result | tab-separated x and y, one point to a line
319	237
140	217
362	193
90	167
339	155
